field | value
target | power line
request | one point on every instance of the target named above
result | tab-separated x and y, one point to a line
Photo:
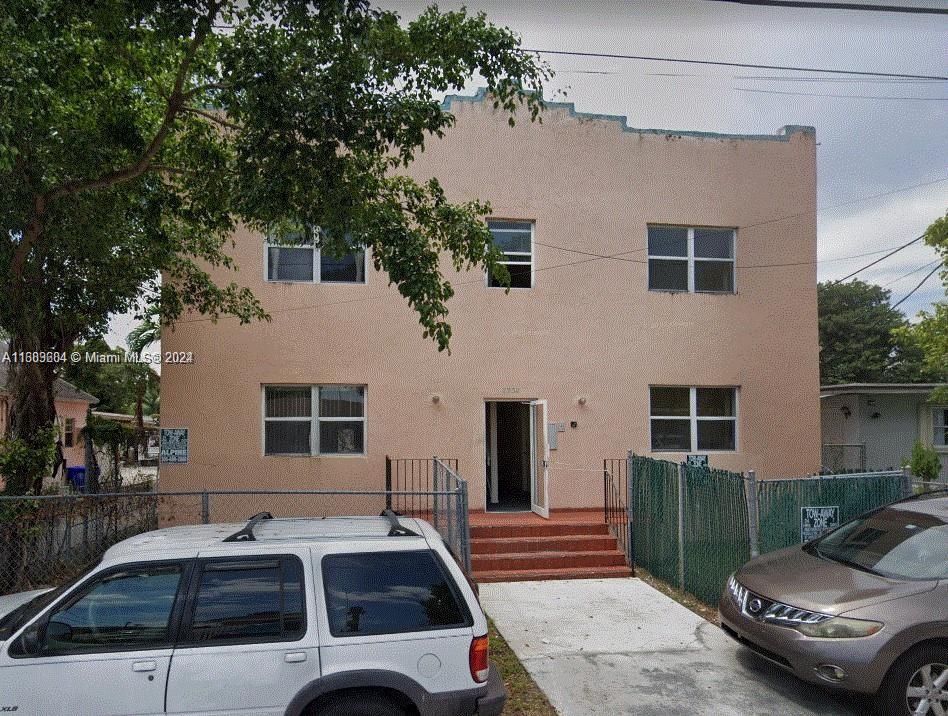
873	263
912	272
865	7
715	63
907	296
840	96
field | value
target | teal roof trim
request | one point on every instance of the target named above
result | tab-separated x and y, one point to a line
783	134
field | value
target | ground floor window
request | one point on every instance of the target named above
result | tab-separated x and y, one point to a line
314	420
940	420
692	419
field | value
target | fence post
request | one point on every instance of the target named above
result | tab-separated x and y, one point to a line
205	508
628	508
605	492
388	482
466	529
907	489
436	498
681	526
753	516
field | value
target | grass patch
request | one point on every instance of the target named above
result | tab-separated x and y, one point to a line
523	695
683	598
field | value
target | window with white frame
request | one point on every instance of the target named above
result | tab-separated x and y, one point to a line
515	240
940	421
314	420
692	419
696	260
295	257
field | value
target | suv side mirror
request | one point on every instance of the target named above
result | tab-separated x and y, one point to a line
30	642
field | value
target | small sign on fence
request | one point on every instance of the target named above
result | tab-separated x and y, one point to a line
174	445
814	521
697	461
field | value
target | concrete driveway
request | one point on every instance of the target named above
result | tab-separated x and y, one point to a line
600	646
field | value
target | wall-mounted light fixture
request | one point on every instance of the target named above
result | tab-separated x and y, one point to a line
581	400
435	398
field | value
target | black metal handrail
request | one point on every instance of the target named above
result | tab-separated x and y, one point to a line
413	477
615	505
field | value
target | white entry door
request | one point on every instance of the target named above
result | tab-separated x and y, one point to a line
539	459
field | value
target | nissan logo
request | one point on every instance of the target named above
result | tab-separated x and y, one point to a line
754	605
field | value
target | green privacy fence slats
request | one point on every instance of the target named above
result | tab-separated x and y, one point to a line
653	500
713	539
780	502
715	530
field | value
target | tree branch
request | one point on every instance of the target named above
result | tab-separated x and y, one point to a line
211	116
203	88
174	105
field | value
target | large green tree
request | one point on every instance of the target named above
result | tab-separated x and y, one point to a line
859	339
136	135
930	332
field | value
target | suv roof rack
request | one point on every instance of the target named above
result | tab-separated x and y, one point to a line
398	529
245	534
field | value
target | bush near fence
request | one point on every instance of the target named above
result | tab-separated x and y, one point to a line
692	526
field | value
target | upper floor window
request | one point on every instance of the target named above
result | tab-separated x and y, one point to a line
314	420
686	419
515	240
69	432
295	257
689	259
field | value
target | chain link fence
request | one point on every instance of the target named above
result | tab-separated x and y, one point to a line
48	539
693	526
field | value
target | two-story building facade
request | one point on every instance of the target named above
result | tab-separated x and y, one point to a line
663	301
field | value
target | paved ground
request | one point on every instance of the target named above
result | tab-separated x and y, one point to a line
617	646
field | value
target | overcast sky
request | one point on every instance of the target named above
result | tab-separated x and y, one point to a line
866	146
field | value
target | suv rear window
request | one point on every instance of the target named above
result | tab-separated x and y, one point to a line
390	593
249	600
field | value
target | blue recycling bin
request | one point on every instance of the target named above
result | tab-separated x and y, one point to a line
77	478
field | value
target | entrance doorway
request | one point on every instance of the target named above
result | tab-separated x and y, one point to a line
517	456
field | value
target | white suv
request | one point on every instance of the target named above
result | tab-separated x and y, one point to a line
361	616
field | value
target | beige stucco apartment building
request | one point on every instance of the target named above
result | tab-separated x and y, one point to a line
698	337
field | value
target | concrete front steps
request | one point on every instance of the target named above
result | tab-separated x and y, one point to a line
532	550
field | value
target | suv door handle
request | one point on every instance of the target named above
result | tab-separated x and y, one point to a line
294	657
144	666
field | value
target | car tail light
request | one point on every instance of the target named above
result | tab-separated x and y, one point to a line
480	661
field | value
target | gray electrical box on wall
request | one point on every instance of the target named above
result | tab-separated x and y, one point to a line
552	434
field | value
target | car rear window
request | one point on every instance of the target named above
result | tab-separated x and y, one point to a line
390	593
895	543
249	601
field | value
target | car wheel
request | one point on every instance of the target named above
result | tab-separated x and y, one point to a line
360	704
917	684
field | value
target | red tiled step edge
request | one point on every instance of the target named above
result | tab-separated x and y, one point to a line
546	560
530	575
550	529
567	543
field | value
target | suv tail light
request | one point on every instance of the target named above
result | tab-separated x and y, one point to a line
480	662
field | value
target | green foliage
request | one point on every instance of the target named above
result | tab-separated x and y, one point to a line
19	458
117	385
930	332
925	464
861	340
135	137
108	433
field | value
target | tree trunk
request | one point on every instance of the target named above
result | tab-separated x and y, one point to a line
32	413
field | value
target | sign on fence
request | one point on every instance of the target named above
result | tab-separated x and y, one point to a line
698	460
174	445
814	521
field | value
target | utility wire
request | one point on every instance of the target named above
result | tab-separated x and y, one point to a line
785	68
912	272
840	96
873	263
864	7
907	296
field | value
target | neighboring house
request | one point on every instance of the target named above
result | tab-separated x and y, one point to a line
875	425
72	406
699	337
